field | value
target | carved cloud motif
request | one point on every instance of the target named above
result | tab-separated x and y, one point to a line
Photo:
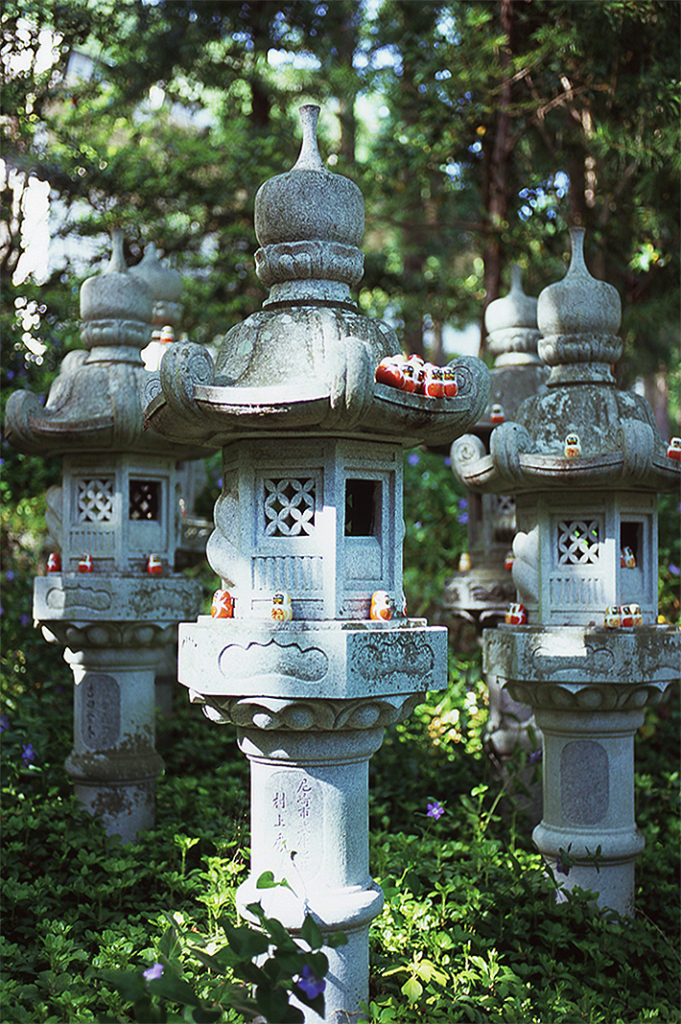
272	658
403	655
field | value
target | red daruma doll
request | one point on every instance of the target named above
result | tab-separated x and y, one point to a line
433	384
54	562
450	385
86	564
381	605
389	371
516	615
154	565
222	606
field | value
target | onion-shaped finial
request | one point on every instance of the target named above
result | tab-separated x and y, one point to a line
579	304
309	158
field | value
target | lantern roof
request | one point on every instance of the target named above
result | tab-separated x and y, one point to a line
617	441
94	403
306	361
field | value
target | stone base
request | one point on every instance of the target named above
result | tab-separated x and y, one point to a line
588	688
123	809
323	659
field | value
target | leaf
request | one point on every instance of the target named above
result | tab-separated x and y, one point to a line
274	1004
311	933
412	989
246	942
266	881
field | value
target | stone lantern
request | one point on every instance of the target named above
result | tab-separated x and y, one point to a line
481	594
585	462
308	527
110	595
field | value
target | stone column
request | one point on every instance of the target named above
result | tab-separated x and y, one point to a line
114	659
114	764
310	824
588	689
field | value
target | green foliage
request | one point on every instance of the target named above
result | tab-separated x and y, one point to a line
266	960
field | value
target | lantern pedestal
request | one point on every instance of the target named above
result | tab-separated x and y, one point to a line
310	700
588	689
115	630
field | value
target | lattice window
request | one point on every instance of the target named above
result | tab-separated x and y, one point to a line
289	507
504	505
578	541
145	499
95	500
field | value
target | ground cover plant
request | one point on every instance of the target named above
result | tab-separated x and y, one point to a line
471	929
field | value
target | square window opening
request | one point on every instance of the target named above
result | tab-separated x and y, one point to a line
631	537
362	501
145	500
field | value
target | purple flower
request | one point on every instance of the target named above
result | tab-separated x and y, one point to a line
9	575
535	756
435	809
462	518
413	458
4	723
219	482
25	619
27	753
674	569
311	985
463	502
153	973
448	461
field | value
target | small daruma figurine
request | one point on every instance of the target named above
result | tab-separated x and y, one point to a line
496	414
508	561
410	369
627	559
54	562
631	615
433	384
449	378
222	605
389	371
612	619
381	605
281	607
464	562
572	447
674	449
154	565
516	615
86	564
166	335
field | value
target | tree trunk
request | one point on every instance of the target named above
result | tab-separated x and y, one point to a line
497	171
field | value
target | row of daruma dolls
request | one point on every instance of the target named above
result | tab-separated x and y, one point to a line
417	377
616	615
154	564
281	610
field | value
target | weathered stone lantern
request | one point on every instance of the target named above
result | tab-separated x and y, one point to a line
481	594
308	527
585	461
110	595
